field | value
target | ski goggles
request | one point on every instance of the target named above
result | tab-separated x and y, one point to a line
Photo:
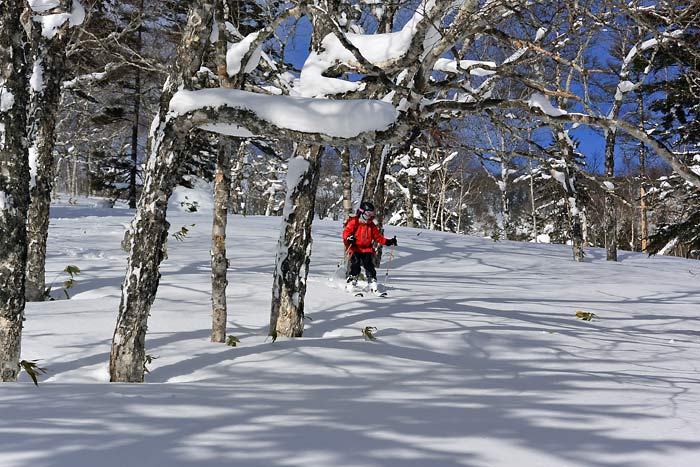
367	214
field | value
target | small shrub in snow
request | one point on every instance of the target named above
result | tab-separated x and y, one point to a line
585	315
190	206
368	332
182	233
33	369
273	335
147	361
68	284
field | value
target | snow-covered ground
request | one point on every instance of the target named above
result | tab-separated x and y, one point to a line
480	360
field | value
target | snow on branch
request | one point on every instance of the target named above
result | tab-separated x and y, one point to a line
360	52
243	113
52	22
473	67
542	102
244	56
92	79
238	51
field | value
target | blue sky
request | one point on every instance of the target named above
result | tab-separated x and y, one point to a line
590	141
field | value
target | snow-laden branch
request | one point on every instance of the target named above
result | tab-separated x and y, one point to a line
625	86
91	79
51	21
246	114
471	67
244	56
368	53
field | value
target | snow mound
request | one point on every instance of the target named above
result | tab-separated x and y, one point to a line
199	198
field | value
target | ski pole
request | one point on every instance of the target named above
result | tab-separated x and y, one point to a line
388	264
345	256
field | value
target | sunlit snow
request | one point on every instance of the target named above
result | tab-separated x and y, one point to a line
480	359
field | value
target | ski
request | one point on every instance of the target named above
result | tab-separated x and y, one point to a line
374	290
355	291
358	291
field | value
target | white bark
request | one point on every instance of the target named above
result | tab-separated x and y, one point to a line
14	186
49	56
149	228
219	262
294	246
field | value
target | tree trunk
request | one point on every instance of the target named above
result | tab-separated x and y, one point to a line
444	179
609	217
270	202
149	228
642	179
410	218
532	201
135	139
14	186
346	176
222	198
236	179
49	60
135	123
294	247
74	176
572	196
219	262
374	188
643	229
508	231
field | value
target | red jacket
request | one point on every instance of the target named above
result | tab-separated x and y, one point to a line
364	232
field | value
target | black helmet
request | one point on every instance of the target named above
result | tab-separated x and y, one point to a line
366	211
366	206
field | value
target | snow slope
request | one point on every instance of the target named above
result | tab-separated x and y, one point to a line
480	360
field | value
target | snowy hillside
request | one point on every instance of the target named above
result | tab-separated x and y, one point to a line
480	360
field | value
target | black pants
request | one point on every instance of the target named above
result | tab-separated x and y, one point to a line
366	260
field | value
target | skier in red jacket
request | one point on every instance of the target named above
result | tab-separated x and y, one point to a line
358	235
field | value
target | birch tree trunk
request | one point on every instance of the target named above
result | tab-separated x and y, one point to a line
294	246
14	186
222	198
532	201
407	194
504	186
149	228
219	262
444	179
572	196
346	177
643	229
133	172
410	189
609	218
269	207
49	69
374	188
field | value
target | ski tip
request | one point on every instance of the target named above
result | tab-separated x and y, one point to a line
359	294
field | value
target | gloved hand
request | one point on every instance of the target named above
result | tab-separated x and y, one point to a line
351	239
391	242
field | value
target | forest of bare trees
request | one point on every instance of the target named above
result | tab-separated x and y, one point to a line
566	122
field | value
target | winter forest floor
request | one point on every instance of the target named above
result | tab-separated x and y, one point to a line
480	360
